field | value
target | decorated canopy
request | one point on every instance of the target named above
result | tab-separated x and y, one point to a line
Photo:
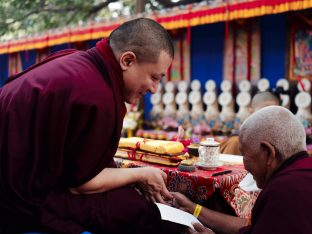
192	15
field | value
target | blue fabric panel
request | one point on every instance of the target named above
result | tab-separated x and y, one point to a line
207	53
273	47
60	47
28	58
4	68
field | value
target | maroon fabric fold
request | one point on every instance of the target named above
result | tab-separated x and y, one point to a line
60	123
284	204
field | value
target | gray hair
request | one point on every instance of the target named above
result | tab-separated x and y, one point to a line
276	125
144	37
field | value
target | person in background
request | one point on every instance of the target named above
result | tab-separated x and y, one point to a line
60	124
273	144
260	100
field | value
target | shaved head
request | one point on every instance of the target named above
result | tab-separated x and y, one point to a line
144	37
276	125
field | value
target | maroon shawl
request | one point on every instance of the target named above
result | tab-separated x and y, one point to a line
284	205
60	123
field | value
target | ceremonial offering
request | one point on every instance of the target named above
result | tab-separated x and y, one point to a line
186	165
169	153
153	146
285	100
195	85
263	84
143	156
226	86
244	86
157	109
183	86
169	87
170	105
183	109
283	83
243	100
227	114
210	85
304	85
209	153
303	102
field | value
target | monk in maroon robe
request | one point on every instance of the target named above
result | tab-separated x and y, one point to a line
60	124
273	143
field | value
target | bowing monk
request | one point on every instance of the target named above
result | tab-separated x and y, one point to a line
60	124
273	143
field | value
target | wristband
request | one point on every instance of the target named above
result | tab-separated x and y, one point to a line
197	210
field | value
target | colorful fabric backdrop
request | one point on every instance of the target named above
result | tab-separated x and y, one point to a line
242	52
180	68
15	63
302	53
301	47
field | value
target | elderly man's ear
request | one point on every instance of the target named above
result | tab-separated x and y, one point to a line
270	153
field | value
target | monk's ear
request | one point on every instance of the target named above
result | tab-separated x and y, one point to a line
127	59
269	152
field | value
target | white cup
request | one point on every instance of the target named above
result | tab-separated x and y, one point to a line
209	152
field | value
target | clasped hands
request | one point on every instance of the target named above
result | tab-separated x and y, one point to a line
153	187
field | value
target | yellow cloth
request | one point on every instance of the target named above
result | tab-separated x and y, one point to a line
154	146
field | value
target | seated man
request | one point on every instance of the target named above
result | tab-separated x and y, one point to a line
247	189
273	143
60	124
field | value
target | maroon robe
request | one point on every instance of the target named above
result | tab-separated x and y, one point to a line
60	123
285	205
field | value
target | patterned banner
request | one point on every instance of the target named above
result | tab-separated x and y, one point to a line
180	67
15	63
242	52
42	54
302	54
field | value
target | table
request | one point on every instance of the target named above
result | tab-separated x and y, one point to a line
199	185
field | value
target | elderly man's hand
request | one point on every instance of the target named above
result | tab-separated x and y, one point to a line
153	185
200	229
182	202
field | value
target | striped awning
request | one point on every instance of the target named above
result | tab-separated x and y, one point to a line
190	16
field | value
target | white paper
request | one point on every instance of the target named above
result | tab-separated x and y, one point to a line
177	216
231	158
249	184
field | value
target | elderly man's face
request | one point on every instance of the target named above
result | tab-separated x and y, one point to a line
254	162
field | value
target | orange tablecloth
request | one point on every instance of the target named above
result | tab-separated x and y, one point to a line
198	185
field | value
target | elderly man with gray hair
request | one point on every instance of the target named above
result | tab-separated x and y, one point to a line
273	143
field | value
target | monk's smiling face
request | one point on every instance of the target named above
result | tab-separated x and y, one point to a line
142	77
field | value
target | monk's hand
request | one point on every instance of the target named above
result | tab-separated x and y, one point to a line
201	229
153	185
181	202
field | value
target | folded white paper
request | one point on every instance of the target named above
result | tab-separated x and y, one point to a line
177	216
249	184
